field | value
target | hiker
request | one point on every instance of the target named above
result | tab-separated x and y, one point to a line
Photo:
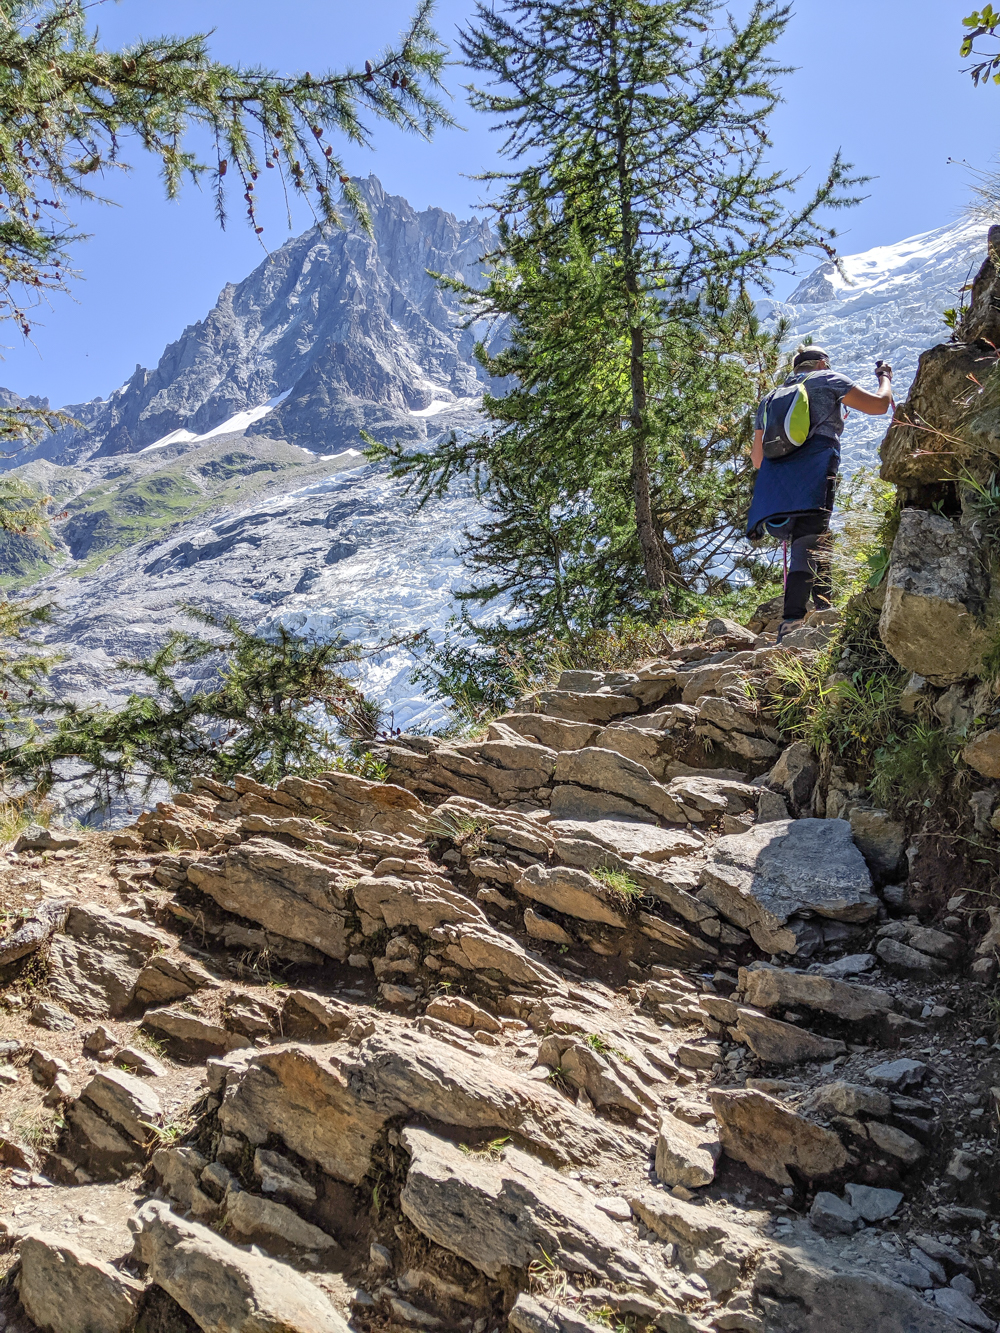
796	449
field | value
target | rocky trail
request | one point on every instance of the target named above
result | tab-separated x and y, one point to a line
620	1016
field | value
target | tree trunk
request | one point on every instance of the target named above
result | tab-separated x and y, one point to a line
649	542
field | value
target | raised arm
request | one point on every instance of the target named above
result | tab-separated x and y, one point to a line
873	404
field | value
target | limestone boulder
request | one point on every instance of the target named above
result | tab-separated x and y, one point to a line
704	798
329	1103
557	733
686	1154
125	1101
541	927
109	1125
280	1178
191	1036
629	840
463	1012
274	1225
832	1215
612	773
476	948
779	1043
781	988
500	1211
166	978
349	802
223	1288
508	763
95	963
572	802
676	885
179	1171
934	589
900	958
850	1099
66	1289
397	1069
708	1244
608	1074
586	707
795	774
425	902
770	1137
302	1095
880	839
283	889
37	838
650	746
983	753
572	892
761	879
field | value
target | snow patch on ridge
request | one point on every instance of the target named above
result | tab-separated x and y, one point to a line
240	422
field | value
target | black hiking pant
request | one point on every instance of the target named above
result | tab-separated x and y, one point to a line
808	540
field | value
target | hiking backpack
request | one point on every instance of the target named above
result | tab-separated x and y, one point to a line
786	419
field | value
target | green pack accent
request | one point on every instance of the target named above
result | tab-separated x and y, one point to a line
787	420
797	421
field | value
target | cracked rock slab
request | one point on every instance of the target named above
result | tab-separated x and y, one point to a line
770	1137
222	1288
500	1212
785	868
613	773
95	963
283	889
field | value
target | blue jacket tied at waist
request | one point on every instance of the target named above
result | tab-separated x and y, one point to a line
800	482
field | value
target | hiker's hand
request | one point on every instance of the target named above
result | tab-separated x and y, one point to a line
882	369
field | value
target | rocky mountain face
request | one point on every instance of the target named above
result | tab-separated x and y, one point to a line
348	330
627	1013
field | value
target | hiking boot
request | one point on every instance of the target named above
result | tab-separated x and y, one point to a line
787	626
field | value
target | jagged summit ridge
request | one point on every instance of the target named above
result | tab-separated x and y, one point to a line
350	328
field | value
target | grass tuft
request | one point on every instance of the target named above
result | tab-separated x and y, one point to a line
620	885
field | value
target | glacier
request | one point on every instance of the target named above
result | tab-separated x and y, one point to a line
886	303
346	552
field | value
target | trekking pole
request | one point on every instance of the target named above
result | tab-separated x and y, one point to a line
784	557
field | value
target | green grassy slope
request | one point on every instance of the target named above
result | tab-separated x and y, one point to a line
113	504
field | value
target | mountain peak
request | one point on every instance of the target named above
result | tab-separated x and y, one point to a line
348	328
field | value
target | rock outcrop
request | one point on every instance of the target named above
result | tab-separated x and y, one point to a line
522	1071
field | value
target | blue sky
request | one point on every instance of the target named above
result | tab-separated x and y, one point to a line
882	82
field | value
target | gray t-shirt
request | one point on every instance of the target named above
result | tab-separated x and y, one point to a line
826	389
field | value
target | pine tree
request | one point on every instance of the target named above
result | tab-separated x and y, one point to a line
66	104
271	705
639	211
